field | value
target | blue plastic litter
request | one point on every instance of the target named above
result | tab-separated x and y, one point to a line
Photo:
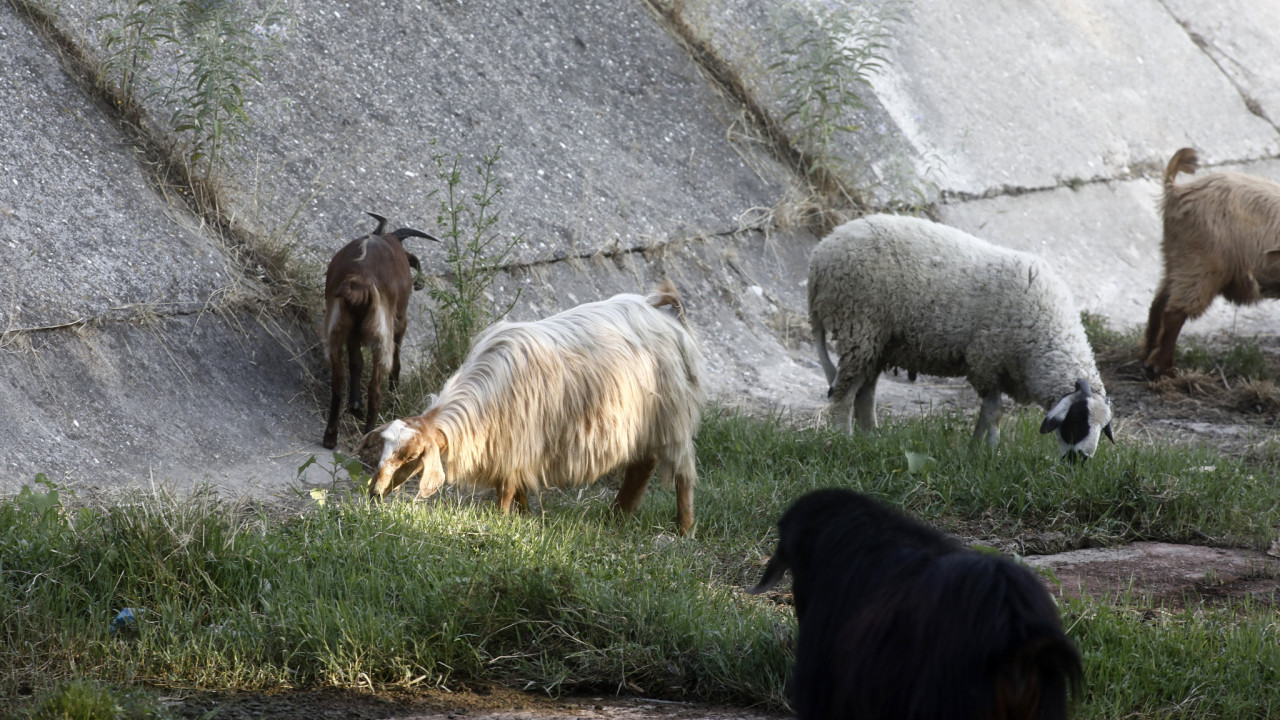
126	620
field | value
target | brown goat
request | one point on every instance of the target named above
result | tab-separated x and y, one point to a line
1221	237
366	296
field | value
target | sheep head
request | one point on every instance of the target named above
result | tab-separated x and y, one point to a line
409	447
1080	419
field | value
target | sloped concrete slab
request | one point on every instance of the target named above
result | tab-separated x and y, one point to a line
981	98
130	346
1114	84
609	133
1241	36
175	402
82	232
746	38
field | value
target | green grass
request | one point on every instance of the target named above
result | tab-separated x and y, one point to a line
344	593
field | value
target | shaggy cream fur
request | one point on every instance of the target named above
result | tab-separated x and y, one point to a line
562	401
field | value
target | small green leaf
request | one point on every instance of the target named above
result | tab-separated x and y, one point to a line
920	463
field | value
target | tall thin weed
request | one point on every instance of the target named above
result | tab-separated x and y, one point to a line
476	252
215	48
828	57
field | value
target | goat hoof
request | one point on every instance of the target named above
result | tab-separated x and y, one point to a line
330	440
356	413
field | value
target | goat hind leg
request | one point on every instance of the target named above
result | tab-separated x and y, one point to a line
394	380
634	481
335	400
1161	360
686	476
374	393
355	369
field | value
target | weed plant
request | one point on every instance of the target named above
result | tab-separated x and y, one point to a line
349	593
462	297
828	56
215	47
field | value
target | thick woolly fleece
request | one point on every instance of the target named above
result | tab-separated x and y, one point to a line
904	292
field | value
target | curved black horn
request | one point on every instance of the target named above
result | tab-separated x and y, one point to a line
403	233
382	223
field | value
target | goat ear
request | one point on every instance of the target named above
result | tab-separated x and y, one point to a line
772	573
431	466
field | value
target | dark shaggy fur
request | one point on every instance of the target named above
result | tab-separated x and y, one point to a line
898	621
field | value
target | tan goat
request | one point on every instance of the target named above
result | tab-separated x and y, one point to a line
562	401
1221	237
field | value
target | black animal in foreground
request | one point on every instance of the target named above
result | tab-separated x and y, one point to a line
898	621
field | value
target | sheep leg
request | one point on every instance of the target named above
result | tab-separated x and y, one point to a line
634	481
335	398
355	369
864	404
989	420
843	394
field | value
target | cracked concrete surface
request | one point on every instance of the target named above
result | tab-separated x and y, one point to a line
135	347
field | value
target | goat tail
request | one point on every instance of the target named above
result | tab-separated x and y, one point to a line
666	295
1185	160
356	291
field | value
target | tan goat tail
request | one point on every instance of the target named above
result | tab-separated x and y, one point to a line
1185	160
356	291
666	295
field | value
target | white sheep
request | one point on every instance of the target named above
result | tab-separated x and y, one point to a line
905	292
562	401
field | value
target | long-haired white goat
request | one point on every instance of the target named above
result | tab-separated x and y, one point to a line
562	401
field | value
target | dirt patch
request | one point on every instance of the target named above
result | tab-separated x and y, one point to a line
1164	574
1206	406
487	702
